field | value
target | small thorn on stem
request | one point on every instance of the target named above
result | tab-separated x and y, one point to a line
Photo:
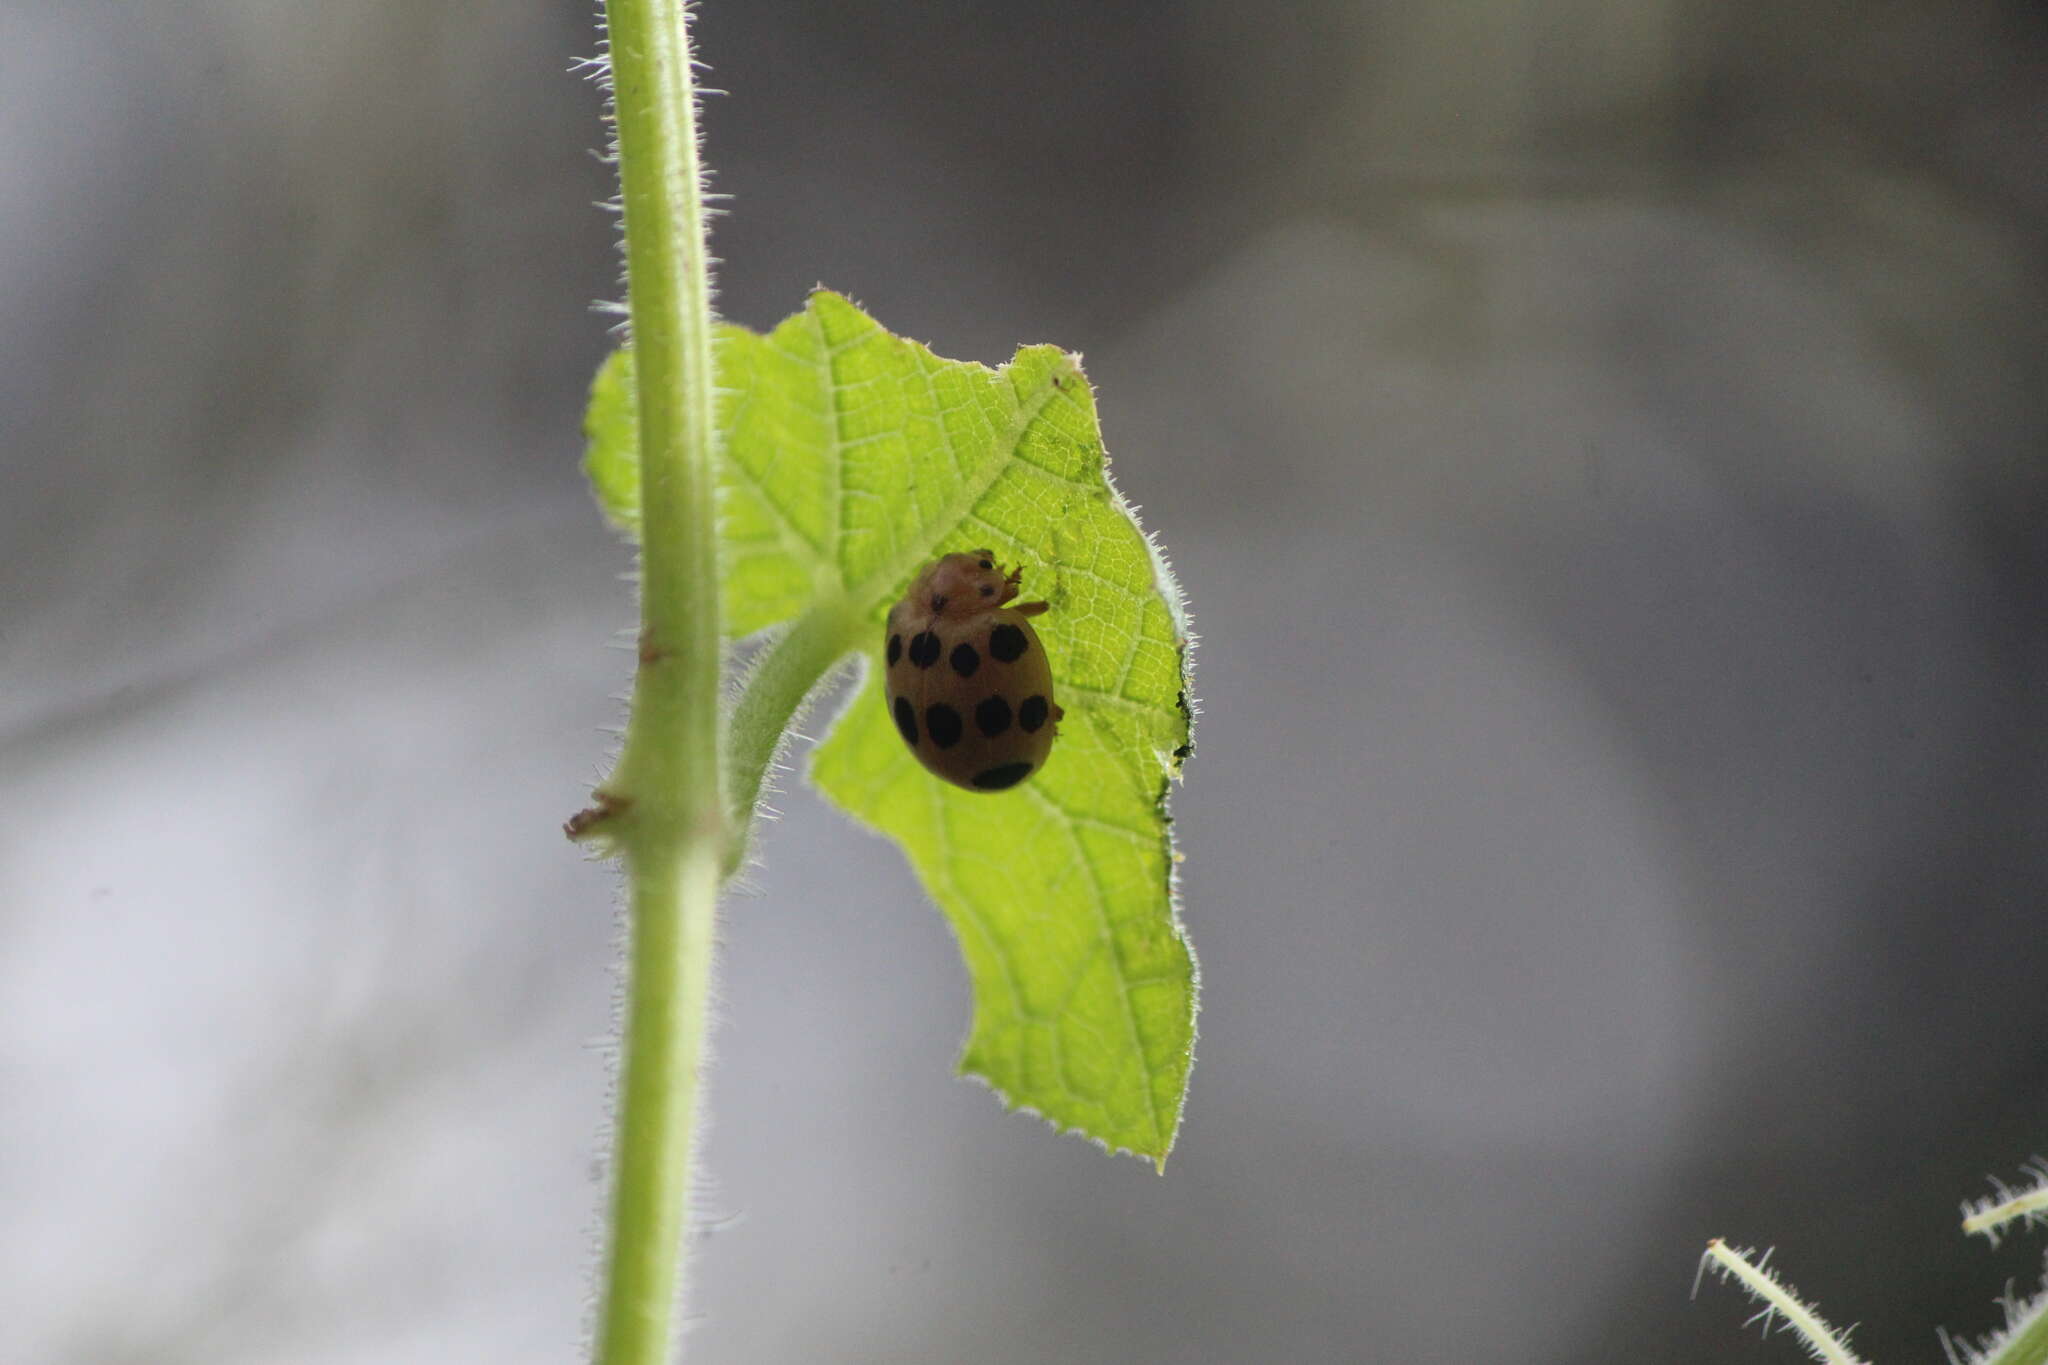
585	822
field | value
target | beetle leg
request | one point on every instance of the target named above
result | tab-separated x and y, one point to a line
1032	608
1010	585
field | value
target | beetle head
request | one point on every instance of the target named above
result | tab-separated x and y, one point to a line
961	585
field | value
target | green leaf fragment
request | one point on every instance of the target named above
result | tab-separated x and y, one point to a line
852	457
611	443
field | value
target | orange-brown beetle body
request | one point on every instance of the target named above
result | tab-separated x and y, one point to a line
968	684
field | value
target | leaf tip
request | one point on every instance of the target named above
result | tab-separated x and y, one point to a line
833	304
1011	1105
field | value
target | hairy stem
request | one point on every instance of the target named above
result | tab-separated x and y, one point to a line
673	887
664	806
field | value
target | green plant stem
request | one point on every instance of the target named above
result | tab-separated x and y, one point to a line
670	973
784	675
663	806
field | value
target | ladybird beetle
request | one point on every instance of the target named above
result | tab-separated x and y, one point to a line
969	686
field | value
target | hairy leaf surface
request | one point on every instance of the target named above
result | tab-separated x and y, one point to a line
851	458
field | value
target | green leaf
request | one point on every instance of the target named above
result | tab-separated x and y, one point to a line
611	442
851	458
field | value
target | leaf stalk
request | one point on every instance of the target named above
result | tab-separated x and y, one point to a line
787	672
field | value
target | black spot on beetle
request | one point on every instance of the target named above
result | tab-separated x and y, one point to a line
1005	775
992	717
987	591
1007	643
1031	714
942	723
965	660
924	649
906	721
987	564
895	649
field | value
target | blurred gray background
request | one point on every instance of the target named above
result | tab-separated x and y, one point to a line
1601	440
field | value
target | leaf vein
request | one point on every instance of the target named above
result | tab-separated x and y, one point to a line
1116	954
834	455
1117	701
957	508
800	545
973	912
